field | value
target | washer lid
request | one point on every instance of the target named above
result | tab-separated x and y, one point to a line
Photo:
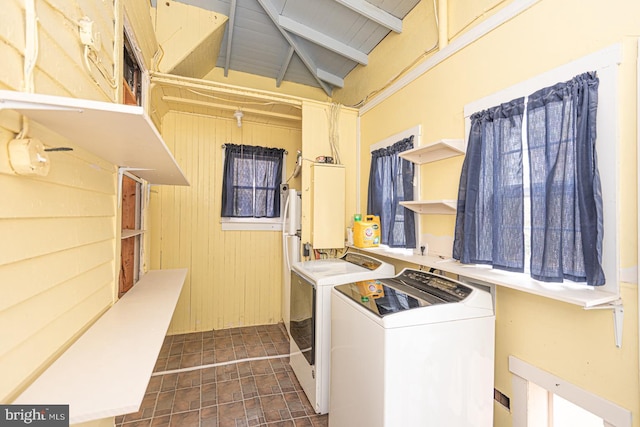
351	267
410	289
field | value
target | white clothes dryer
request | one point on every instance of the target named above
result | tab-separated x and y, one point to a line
310	316
413	350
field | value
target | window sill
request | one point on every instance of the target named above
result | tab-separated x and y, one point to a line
106	371
239	224
571	294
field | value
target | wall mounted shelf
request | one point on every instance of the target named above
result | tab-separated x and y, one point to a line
442	207
120	134
433	152
106	372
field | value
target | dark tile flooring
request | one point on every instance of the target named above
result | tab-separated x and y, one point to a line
201	380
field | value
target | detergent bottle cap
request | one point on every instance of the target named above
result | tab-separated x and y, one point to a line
357	217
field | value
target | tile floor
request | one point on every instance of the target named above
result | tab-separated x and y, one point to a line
201	380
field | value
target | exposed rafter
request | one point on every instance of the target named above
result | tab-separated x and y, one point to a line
306	59
323	40
373	13
285	65
232	16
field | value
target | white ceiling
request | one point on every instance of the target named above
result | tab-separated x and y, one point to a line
311	42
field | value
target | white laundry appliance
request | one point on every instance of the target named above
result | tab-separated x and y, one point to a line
291	229
310	316
413	350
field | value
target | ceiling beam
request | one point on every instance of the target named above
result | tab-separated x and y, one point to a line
285	65
230	26
227	107
308	62
373	13
330	78
323	40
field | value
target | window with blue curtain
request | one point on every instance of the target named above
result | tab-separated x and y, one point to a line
566	195
391	182
563	186
251	181
490	212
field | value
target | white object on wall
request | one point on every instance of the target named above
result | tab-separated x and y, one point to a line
27	157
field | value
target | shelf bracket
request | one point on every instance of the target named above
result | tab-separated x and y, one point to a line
618	317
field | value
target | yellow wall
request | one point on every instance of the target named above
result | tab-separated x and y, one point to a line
562	339
57	257
235	277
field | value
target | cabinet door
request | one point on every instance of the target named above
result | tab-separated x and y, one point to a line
327	206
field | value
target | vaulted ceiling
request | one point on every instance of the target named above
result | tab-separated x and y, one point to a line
311	42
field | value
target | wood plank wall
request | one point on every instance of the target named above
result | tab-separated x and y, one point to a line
59	232
235	277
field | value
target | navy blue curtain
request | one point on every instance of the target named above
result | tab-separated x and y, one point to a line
251	181
566	197
489	225
391	182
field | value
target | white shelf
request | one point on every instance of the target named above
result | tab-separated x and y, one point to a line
438	150
583	296
442	207
106	371
126	233
121	134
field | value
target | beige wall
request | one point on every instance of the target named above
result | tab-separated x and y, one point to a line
562	339
234	277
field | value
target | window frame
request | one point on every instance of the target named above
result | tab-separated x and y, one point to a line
141	202
416	132
257	224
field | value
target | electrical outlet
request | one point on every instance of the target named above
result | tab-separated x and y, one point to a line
88	35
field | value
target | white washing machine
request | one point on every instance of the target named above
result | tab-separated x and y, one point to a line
310	316
413	350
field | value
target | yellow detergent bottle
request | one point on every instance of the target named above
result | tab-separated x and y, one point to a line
366	233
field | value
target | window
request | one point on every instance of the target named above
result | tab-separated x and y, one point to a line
132	74
251	183
391	181
132	228
563	186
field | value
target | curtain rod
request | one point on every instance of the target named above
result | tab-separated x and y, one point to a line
224	146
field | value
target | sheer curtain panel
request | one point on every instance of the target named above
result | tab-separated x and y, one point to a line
566	197
489	221
391	182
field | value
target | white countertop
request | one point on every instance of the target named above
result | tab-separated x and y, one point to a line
106	371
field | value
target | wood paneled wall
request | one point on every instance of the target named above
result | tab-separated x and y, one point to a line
235	277
59	232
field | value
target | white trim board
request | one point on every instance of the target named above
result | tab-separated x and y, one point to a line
524	373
